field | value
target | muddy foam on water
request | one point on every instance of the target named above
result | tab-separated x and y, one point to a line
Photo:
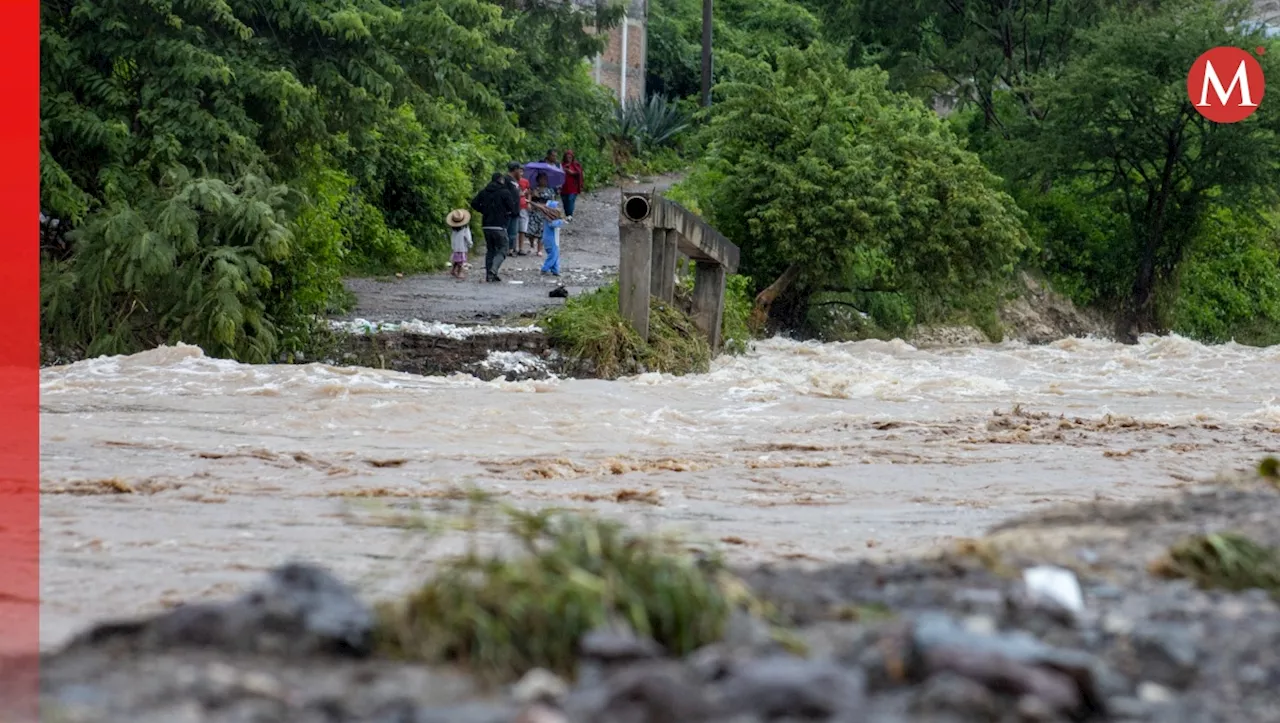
169	475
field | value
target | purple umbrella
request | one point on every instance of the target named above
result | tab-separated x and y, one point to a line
555	176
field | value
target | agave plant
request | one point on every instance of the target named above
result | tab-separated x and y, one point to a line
643	126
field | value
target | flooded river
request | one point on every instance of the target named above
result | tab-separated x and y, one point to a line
168	475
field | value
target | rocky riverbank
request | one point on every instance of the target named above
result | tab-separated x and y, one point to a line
1035	314
966	635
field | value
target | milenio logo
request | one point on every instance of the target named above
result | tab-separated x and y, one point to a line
1234	101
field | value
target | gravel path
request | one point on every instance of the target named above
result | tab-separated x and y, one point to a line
588	260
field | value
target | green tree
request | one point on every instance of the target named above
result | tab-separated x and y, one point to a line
972	50
746	32
1121	124
831	182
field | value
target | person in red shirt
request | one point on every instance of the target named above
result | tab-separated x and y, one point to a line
573	183
524	217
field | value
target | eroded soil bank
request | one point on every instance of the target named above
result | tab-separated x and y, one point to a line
955	636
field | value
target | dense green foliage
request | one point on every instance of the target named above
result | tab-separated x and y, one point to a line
822	168
1079	108
1142	154
214	166
747	34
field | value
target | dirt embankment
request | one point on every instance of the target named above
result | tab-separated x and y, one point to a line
961	636
1036	315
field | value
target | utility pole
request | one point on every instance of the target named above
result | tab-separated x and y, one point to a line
706	53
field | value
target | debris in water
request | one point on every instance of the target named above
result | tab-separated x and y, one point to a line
519	362
427	328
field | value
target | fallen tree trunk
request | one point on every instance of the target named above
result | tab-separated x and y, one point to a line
764	300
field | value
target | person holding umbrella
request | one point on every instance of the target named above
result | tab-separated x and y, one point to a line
555	174
539	214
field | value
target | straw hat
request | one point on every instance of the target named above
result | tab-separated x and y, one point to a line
458	217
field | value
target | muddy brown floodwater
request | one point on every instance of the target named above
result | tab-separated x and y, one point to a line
171	476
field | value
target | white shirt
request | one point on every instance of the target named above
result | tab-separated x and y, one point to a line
460	239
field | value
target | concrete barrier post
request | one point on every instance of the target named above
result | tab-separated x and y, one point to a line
635	261
663	281
708	300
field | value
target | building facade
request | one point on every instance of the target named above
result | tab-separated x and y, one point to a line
621	67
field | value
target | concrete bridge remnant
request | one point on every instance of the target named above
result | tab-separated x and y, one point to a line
653	232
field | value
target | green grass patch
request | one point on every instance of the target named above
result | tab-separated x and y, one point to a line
1226	561
589	327
501	616
739	297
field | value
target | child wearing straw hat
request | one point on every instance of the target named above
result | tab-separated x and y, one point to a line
459	221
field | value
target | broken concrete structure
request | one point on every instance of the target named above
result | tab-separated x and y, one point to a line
652	233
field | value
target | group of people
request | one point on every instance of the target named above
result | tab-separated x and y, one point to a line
516	214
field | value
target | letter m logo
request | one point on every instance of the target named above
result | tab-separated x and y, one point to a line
1241	78
1233	101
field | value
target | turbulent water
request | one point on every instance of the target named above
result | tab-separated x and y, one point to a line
168	475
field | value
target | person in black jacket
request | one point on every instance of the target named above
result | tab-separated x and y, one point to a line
514	172
496	206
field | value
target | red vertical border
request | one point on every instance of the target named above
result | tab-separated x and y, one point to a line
19	357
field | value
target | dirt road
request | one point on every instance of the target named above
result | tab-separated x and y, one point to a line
589	259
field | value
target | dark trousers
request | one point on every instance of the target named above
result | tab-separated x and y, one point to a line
495	251
513	234
570	200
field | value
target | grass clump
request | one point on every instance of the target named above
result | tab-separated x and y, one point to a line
590	328
504	615
1226	561
739	299
1269	469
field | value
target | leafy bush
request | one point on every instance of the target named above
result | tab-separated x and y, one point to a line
194	262
738	299
1229	286
824	170
504	616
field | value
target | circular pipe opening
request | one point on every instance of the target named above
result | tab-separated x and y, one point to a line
636	208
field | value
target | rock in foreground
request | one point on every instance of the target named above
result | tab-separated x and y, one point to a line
956	638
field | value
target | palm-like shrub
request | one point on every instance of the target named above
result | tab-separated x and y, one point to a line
641	127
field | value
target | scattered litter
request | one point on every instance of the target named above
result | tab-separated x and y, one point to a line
427	328
1056	585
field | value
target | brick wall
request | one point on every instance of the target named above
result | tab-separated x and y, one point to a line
608	65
